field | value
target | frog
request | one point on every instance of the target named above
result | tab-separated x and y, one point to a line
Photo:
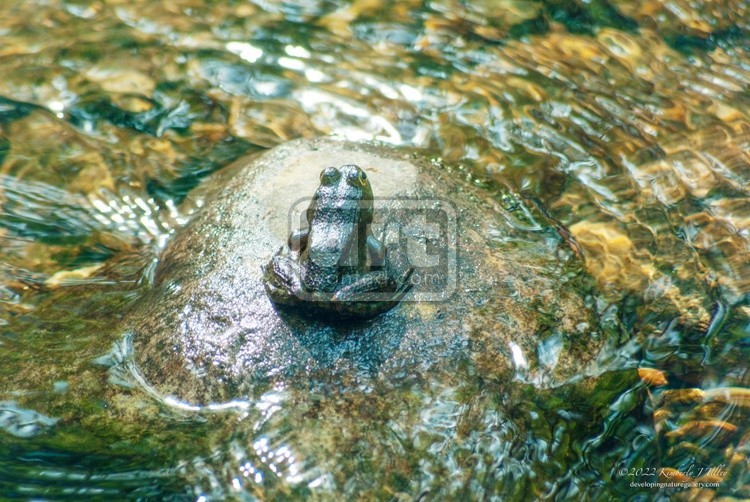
335	267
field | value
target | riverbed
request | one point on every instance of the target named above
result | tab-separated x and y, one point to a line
627	121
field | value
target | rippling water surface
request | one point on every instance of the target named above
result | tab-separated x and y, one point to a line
628	120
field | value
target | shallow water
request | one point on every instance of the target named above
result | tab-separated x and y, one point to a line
628	120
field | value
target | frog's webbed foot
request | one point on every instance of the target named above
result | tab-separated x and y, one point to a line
281	277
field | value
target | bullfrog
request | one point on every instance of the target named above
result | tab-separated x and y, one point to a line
333	267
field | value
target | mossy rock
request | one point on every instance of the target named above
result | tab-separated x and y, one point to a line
514	302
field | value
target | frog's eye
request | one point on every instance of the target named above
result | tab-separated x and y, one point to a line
329	176
357	178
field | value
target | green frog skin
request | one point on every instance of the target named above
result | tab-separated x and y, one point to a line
333	267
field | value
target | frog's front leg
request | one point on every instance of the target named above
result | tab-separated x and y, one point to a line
392	279
375	251
297	241
282	280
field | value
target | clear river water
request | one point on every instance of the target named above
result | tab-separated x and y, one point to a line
628	120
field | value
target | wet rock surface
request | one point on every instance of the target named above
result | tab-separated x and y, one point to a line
514	300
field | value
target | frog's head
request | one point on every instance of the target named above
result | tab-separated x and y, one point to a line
346	186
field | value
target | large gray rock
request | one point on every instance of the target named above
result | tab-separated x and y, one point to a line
513	304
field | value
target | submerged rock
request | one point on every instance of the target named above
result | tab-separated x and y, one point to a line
21	422
499	292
